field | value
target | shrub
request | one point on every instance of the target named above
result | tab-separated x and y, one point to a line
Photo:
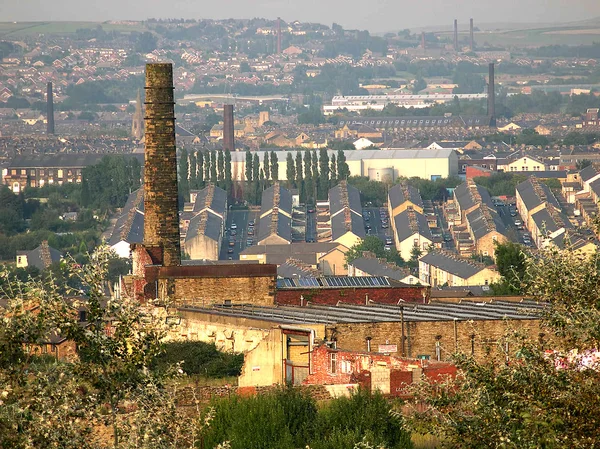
201	358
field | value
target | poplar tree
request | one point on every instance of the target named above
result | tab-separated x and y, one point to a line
274	166
290	171
193	171
343	171
248	166
308	179
213	167
221	166
207	163
200	178
184	175
323	174
333	171
266	166
228	181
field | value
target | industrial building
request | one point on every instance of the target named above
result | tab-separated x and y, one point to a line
378	165
358	103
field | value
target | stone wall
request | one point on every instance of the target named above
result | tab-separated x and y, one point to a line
422	338
255	290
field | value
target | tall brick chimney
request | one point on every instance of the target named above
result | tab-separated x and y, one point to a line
228	128
471	38
491	97
49	109
161	221
455	35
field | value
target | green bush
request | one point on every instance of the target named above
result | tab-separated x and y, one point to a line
289	419
201	358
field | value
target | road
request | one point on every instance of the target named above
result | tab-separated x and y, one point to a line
375	223
311	226
241	219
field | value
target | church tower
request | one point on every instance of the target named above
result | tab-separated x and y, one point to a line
137	125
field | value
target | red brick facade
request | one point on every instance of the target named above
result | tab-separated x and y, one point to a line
331	296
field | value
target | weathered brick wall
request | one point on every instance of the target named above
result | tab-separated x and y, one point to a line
351	295
255	290
161	221
421	337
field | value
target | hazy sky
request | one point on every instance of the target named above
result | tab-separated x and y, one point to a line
374	15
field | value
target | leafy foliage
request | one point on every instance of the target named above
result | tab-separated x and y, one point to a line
201	358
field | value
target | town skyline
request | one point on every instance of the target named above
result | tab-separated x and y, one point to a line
382	16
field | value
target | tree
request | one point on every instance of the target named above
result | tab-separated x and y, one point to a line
333	171
213	167
323	174
290	171
308	179
50	403
315	172
255	167
511	262
221	166
207	166
249	170
200	183
184	175
228	177
373	244
343	171
540	391
266	165
583	163
274	166
146	42
193	170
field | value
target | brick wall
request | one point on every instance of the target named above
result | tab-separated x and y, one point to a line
351	295
421	337
161	216
474	172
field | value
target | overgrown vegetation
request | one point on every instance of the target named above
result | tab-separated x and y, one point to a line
199	358
289	419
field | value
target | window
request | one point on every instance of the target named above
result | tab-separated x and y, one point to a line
416	242
485	253
346	367
333	362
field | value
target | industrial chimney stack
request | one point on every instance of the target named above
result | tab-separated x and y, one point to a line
228	128
471	39
491	98
278	35
455	35
49	110
161	214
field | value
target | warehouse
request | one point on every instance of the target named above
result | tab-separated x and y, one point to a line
377	164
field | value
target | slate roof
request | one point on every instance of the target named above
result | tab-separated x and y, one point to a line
129	226
213	198
399	194
375	267
336	195
467	194
452	264
205	223
268	201
484	220
354	224
550	222
587	173
37	258
275	223
533	193
411	222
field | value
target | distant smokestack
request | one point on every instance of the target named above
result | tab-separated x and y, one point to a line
161	214
455	35
471	39
49	110
228	129
423	40
278	35
491	97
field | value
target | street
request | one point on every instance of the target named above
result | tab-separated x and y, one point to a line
241	219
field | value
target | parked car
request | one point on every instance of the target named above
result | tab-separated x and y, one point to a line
250	231
249	242
231	242
310	210
251	223
518	222
233	226
388	241
387	247
447	238
229	250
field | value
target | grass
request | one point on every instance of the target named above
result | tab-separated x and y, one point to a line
425	441
22	29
